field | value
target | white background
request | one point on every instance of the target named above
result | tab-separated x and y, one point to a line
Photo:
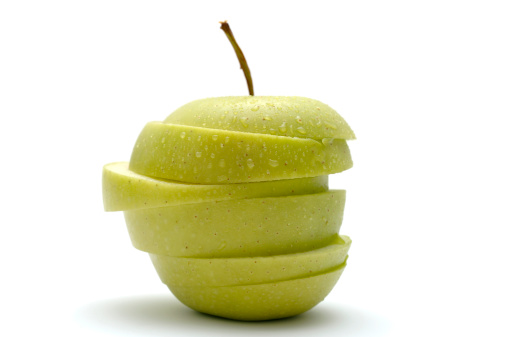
424	84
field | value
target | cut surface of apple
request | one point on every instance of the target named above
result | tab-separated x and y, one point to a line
260	301
207	156
239	228
124	189
274	115
179	271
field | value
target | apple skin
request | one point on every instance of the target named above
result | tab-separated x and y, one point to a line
257	302
220	272
173	194
124	190
239	228
199	155
273	115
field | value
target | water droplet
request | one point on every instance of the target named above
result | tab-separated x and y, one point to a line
301	130
299	120
222	163
244	122
273	163
250	163
182	135
226	140
330	125
215	137
267	118
212	155
327	141
198	154
255	108
282	127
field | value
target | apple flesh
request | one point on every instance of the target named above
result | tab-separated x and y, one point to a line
219	272
239	228
123	189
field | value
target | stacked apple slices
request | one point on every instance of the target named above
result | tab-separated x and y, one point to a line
230	198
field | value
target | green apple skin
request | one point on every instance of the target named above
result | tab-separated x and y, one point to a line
125	190
273	115
259	302
198	155
239	228
220	272
176	211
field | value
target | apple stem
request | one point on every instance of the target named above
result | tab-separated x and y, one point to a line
243	62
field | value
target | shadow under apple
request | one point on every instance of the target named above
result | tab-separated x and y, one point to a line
163	315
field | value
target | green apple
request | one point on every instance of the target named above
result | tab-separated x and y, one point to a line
219	272
281	116
263	301
123	189
230	198
239	228
199	155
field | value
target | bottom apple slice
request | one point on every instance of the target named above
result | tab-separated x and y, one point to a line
257	302
181	271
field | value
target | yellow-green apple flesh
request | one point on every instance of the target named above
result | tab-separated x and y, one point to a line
123	189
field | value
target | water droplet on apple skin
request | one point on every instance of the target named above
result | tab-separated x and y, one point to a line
273	163
301	130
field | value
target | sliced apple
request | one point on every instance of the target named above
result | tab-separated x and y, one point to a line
181	271
281	116
259	301
206	156
238	228
124	189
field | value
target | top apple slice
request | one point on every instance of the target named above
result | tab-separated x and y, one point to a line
273	115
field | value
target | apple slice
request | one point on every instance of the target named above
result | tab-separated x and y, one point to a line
281	116
244	227
182	271
126	190
206	156
260	301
